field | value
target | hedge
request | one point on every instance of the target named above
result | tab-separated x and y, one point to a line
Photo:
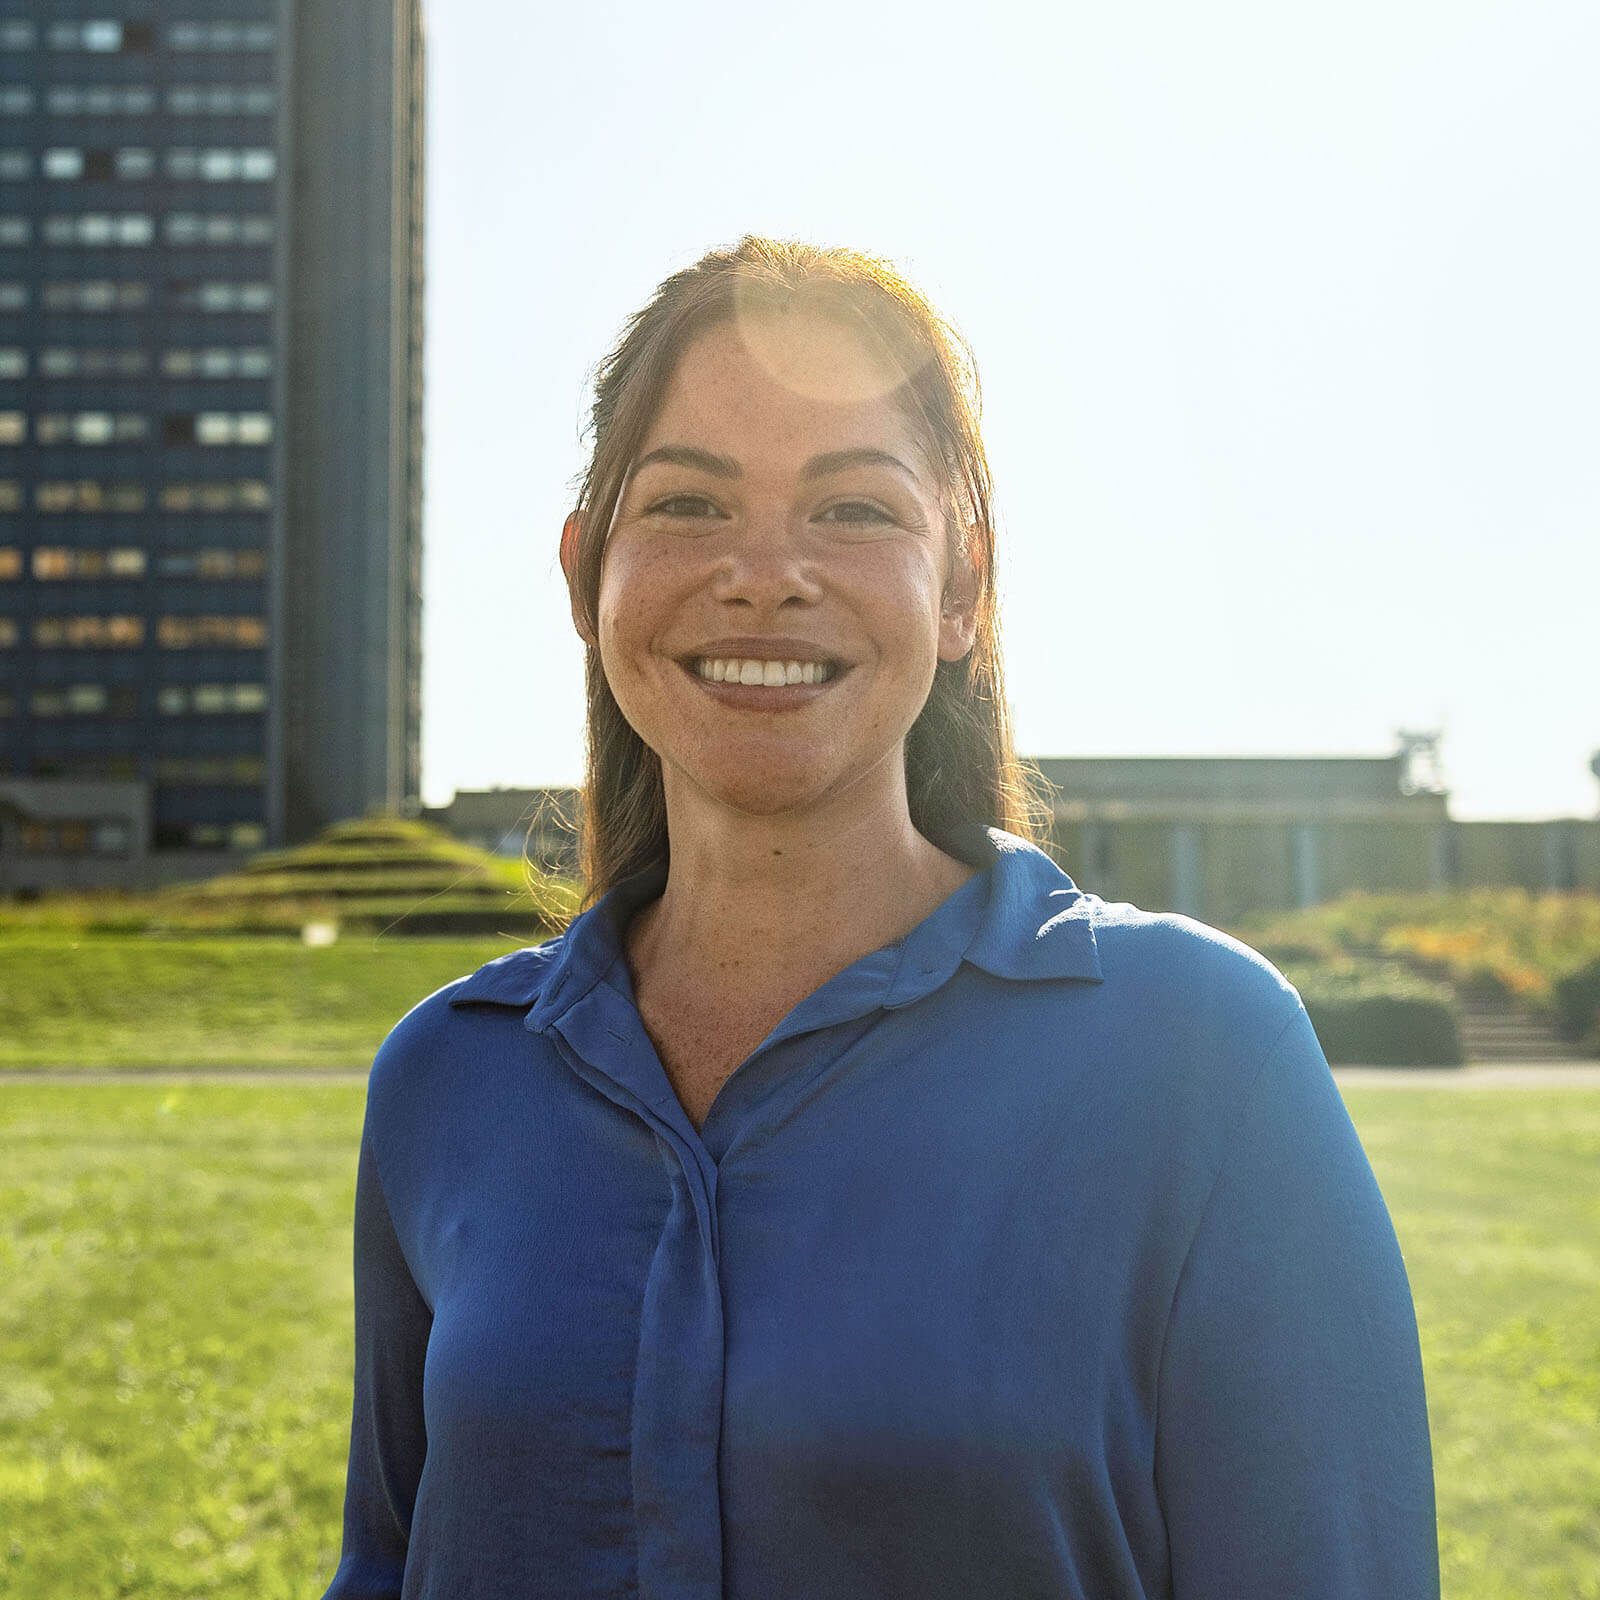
1577	1005
1377	1014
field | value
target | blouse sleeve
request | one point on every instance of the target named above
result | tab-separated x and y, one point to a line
1292	1450
388	1440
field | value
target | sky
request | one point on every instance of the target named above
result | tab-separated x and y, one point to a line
1287	317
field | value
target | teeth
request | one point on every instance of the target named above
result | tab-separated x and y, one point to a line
768	674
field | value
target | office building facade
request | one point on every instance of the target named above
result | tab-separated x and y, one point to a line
210	428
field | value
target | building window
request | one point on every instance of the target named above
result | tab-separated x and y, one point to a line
13	427
187	295
110	839
62	561
13	296
96	294
211	563
189	36
221	100
73	838
90	427
10	563
212	699
101	37
222	166
244	494
230	563
8	703
88	495
17	34
13	362
15	165
217	363
85	700
16	230
88	633
132	161
199	633
15	100
218	227
100	228
8	632
211	770
217	427
10	495
99	100
60	362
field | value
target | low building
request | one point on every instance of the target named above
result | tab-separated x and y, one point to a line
1220	837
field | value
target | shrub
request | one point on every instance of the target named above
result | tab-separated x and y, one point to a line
1577	1005
1376	1014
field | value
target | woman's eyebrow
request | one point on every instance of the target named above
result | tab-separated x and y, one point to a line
843	460
683	455
822	466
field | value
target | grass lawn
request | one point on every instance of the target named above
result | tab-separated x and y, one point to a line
81	1000
175	1303
1496	1198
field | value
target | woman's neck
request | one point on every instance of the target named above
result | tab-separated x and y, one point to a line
758	902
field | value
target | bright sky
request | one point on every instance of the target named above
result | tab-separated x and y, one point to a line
1288	319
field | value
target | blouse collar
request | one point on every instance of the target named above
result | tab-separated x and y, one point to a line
1019	917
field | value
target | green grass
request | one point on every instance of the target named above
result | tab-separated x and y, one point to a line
175	1304
130	1001
1496	1198
174	1338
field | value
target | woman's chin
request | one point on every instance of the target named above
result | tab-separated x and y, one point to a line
756	790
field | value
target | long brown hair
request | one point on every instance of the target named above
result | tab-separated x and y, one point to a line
960	765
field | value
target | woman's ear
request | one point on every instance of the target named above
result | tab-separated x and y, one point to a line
569	565
958	608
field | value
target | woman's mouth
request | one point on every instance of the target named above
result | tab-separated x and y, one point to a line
755	673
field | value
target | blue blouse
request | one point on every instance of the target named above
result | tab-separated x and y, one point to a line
1032	1256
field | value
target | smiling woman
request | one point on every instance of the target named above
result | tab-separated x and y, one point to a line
846	1204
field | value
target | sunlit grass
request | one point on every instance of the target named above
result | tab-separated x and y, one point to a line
129	1001
1496	1198
175	1305
174	1338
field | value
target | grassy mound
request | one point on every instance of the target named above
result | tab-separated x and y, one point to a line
381	874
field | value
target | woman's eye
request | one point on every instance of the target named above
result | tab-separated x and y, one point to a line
851	513
683	505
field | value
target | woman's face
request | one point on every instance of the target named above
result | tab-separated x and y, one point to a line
777	586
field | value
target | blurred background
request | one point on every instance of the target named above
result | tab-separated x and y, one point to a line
1286	323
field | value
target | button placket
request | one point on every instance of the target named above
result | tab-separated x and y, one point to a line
678	1377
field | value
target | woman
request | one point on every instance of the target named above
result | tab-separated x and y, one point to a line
846	1205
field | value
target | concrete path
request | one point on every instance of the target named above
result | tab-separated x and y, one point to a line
1489	1075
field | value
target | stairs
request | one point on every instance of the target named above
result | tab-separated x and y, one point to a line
1497	1031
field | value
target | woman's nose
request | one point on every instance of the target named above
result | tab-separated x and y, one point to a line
766	565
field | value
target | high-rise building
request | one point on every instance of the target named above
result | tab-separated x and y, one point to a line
210	428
